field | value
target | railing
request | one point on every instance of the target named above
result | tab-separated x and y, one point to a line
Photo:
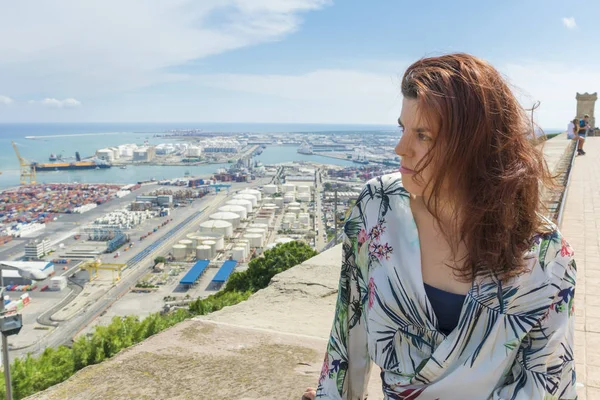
567	181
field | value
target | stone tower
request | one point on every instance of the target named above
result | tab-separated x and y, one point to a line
585	105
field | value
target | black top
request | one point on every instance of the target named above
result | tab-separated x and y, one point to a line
446	306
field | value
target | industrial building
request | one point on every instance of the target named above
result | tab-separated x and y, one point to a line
10	278
36	249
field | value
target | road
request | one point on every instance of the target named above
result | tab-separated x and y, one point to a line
319	228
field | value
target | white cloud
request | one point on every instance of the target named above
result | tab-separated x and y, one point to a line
89	48
5	100
55	103
357	96
569	22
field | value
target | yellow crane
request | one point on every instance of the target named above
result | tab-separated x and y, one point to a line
93	266
27	169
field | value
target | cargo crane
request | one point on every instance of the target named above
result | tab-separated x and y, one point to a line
26	168
97	265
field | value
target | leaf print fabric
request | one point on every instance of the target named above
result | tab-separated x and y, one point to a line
514	339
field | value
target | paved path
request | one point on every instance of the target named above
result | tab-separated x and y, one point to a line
581	227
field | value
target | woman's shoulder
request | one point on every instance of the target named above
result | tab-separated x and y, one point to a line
383	188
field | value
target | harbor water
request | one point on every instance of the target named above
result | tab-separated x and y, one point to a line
37	141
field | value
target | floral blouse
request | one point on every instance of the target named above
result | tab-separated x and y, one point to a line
514	339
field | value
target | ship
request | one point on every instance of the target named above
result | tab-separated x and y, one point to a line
75	165
52	157
305	149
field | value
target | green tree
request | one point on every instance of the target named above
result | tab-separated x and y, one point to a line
160	259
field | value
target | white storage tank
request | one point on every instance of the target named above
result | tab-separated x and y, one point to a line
263	220
225	228
189	244
270	189
304	218
248	197
253	192
212	245
238	253
289	217
289	198
230	217
255	239
217	238
204	252
255	225
241	202
288	187
304	197
295	210
191	235
294	204
245	244
58	283
260	231
303	189
269	205
239	210
282	240
179	252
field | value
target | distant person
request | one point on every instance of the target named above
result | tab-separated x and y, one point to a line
452	282
572	133
584	125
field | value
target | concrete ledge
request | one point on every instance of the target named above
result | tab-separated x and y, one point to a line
555	149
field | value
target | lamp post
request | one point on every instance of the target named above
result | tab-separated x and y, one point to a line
12	324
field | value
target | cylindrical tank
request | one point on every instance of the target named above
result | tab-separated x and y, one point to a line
270	189
269	205
278	201
283	240
260	231
225	228
216	237
188	244
245	244
241	202
289	198
191	235
255	239
294	204
239	210
230	217
255	225
253	192
295	210
289	217
304	197
212	244
204	252
304	218
303	189
248	197
238	253
179	252
288	187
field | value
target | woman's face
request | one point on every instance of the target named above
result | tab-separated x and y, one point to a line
416	140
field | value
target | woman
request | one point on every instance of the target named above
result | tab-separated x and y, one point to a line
452	282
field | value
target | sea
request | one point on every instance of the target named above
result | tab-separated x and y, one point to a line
67	138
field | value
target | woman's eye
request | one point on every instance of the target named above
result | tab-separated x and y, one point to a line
423	137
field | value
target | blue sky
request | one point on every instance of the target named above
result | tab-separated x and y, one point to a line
306	61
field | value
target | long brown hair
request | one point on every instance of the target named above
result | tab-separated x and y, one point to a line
484	152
